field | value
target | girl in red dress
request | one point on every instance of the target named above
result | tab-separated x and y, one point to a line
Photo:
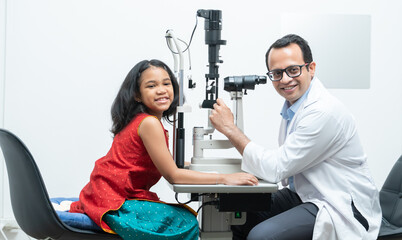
118	196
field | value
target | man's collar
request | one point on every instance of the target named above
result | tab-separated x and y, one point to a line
288	111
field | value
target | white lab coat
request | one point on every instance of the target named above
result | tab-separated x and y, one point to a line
322	150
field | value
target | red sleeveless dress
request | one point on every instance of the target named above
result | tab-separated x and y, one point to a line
126	172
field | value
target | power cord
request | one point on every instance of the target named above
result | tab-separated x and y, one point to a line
187	45
194	198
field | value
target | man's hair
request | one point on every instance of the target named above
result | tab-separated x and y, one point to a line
286	41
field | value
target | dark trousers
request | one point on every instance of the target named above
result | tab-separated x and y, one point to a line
289	218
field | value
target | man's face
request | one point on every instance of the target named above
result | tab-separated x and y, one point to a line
290	88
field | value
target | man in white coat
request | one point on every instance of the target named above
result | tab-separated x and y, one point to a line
329	192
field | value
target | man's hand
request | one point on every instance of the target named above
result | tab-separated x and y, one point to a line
222	119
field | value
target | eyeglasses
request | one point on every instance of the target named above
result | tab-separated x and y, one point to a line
292	71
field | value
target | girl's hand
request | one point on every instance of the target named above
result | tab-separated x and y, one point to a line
240	178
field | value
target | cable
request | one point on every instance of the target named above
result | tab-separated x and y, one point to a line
187	48
215	202
192	199
191	39
187	45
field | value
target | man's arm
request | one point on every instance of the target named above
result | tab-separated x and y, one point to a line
222	119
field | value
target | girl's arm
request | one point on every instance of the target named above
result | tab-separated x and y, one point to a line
152	135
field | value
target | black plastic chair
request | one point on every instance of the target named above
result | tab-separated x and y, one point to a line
30	201
391	204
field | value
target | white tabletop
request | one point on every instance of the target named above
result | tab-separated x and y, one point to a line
262	187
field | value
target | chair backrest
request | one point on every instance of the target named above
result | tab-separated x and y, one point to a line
30	201
391	195
29	198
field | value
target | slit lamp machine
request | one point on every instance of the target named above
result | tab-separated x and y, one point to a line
221	205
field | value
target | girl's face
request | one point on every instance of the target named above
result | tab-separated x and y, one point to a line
156	90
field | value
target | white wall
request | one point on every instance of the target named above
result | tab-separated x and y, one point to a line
65	61
2	92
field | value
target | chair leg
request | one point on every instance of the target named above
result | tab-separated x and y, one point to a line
7	225
2	228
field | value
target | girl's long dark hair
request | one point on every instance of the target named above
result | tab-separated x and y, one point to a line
125	108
